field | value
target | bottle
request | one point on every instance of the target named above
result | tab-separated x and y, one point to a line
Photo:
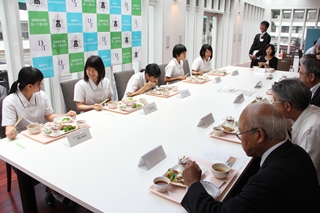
291	69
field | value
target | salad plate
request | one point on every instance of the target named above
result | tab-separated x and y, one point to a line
133	107
65	129
62	119
175	174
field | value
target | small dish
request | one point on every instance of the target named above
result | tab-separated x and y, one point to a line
211	189
81	124
161	184
220	170
34	128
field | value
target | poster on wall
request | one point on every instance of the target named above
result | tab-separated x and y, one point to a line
64	33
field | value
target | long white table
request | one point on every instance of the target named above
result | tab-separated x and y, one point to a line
102	175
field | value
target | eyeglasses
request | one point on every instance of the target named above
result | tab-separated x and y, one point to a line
275	102
238	134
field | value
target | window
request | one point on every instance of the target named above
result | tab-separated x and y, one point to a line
298	14
311	14
205	3
212	4
24	31
273	26
297	29
275	14
286	14
188	2
197	3
285	29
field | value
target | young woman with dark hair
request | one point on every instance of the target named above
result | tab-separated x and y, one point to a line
94	87
203	63
174	70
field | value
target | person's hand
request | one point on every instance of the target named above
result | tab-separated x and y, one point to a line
254	57
97	107
11	134
250	56
72	114
201	72
318	57
147	86
183	77
191	173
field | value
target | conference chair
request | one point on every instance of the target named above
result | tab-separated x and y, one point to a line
3	135
67	88
186	67
121	78
162	68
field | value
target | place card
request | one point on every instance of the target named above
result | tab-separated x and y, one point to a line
234	73
258	85
185	93
149	108
206	121
269	77
239	99
216	80
152	158
77	137
261	70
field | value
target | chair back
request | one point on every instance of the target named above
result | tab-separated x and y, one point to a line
121	78
67	88
2	128
162	68
284	64
4	81
186	67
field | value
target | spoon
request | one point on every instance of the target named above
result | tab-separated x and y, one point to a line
224	182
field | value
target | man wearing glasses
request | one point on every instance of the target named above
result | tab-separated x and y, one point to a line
283	168
310	76
291	97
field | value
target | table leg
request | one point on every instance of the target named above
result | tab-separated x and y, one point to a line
27	193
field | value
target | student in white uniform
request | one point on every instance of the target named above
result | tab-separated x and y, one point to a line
25	97
143	81
94	88
174	69
202	63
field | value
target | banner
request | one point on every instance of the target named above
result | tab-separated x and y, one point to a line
64	33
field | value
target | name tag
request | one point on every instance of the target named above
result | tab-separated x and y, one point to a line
185	93
235	73
261	39
77	137
216	80
149	108
152	158
258	85
239	99
206	121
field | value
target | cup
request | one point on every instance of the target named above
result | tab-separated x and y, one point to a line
34	128
143	100
55	129
220	170
174	88
229	120
259	98
161	184
183	160
81	124
166	92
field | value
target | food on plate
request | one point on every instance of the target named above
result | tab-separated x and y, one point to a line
67	128
183	160
136	105
227	128
47	130
65	119
174	176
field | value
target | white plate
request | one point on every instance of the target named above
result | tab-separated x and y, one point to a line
129	108
62	132
62	119
212	189
180	169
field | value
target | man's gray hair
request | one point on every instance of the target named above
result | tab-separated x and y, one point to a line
311	64
294	91
273	123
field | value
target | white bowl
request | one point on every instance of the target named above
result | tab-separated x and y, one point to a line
81	123
220	170
161	183
174	88
62	119
143	100
34	128
217	131
113	104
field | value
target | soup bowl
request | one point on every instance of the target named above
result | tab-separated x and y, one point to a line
220	170
34	128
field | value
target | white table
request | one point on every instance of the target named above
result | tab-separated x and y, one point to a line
102	174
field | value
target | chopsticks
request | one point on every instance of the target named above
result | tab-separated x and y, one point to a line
19	119
186	74
105	101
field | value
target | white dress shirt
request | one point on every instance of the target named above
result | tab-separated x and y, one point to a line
306	133
16	103
174	69
136	82
201	64
89	93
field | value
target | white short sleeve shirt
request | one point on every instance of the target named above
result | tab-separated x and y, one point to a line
89	93
201	64
174	69
136	82
16	103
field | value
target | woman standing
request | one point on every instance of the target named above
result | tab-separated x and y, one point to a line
203	63
94	87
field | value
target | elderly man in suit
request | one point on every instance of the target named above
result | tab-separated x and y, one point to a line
284	167
310	76
259	43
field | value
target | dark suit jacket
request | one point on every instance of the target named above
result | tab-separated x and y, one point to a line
286	182
315	100
260	45
273	63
